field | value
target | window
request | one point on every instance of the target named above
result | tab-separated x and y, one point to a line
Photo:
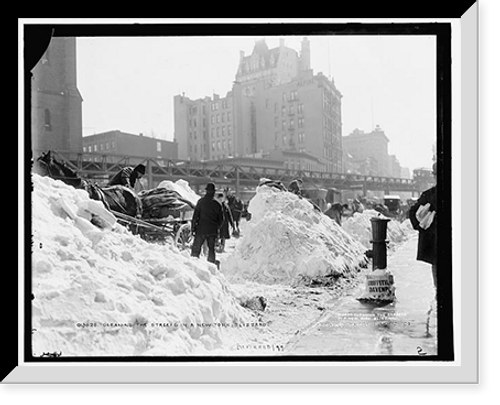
300	122
283	97
223	131
158	146
300	108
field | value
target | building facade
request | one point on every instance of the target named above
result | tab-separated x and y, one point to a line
369	152
125	144
56	103
276	103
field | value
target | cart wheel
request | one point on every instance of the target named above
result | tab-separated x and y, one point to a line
183	237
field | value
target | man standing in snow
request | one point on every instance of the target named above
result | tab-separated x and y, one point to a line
423	218
206	223
128	176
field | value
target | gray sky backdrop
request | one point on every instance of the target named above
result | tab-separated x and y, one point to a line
128	83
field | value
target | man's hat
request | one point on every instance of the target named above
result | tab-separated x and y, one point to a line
210	187
140	168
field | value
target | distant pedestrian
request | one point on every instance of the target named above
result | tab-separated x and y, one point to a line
128	176
335	211
206	223
423	217
295	187
236	207
224	233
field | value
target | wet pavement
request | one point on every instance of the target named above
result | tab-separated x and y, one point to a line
407	326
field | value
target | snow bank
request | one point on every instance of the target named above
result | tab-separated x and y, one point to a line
360	228
108	292
182	187
290	240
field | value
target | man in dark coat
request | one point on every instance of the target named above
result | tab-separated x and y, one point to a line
128	176
228	220
423	217
206	223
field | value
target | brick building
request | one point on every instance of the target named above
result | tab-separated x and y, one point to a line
56	103
125	144
276	103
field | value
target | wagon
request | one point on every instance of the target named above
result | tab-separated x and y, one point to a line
393	204
165	215
177	230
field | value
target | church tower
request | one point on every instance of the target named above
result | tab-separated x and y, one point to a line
56	103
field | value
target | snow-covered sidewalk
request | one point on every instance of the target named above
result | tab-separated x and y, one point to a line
405	327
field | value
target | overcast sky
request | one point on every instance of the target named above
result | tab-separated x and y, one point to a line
129	83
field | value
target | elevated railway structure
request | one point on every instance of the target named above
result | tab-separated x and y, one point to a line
101	167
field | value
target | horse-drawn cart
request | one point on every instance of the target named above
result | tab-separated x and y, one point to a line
166	214
177	230
155	215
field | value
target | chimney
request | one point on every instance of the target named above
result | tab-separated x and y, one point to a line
282	43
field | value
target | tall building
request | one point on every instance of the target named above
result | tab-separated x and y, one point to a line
369	151
276	103
56	110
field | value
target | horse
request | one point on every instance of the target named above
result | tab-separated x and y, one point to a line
119	199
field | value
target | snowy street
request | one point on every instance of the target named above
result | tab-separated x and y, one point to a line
286	286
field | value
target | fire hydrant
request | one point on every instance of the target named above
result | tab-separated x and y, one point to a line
379	285
379	242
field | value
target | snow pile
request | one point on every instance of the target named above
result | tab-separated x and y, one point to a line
290	240
359	227
104	291
182	187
